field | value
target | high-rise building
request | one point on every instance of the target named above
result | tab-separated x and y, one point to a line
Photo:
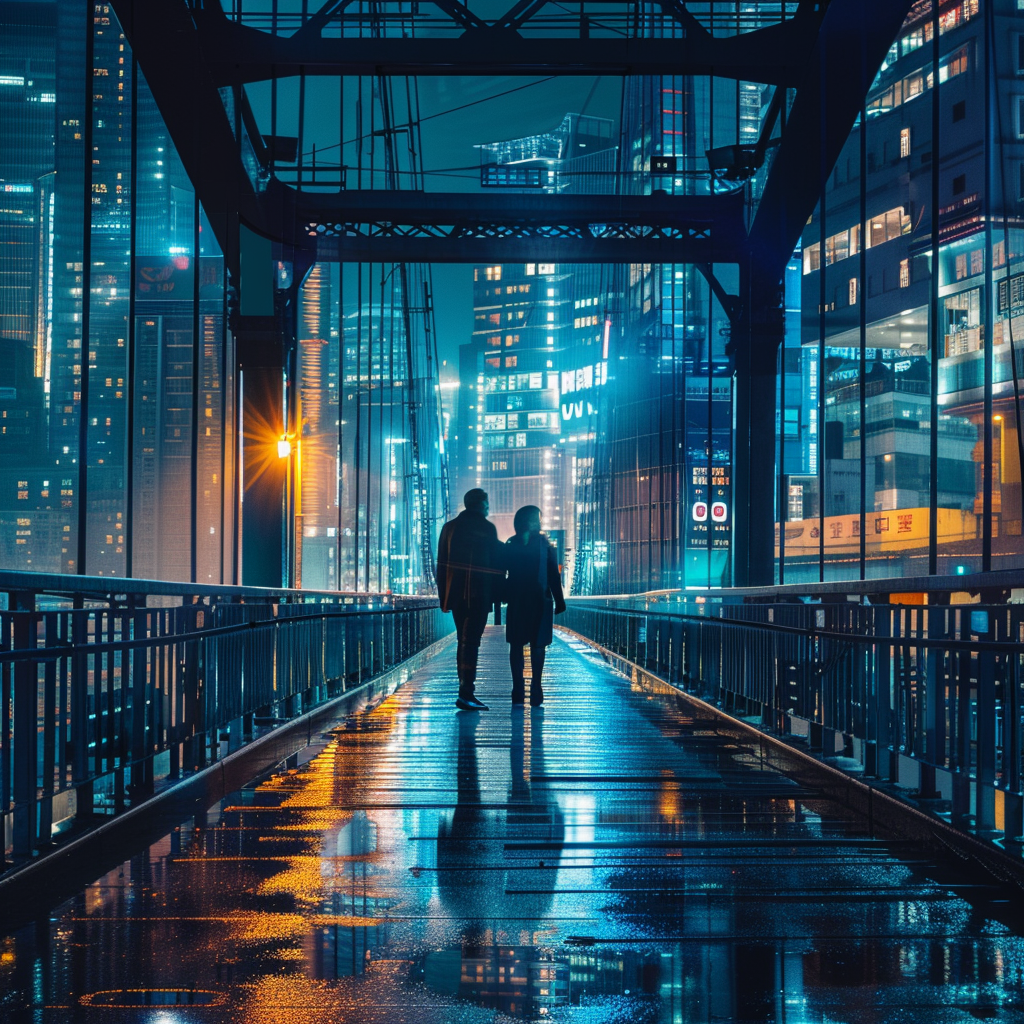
390	450
317	514
542	318
29	501
111	315
911	316
27	104
662	475
509	420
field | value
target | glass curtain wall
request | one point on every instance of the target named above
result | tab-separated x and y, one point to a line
370	483
111	316
907	326
368	488
666	428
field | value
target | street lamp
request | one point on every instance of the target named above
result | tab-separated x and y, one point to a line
292	510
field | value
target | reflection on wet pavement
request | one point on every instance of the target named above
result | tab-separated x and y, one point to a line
606	858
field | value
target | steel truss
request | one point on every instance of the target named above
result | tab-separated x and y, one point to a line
455	227
196	61
533	37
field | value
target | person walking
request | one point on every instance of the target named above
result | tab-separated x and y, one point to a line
470	561
534	595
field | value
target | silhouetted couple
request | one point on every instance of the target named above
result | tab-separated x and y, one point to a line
474	569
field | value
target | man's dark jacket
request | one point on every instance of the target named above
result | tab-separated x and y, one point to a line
470	561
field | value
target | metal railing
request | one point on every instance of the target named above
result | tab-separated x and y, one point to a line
926	698
113	688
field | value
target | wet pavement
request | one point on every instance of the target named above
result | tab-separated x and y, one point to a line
606	858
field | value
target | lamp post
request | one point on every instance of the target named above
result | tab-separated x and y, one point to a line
292	508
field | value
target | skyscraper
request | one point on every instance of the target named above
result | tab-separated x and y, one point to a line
108	326
549	321
911	318
521	323
29	499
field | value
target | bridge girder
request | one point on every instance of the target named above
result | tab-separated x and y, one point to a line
237	54
384	226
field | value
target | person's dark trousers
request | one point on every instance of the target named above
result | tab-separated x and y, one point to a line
470	620
517	662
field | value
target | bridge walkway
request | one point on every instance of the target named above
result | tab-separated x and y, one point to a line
610	857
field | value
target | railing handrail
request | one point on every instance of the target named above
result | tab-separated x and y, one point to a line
949	644
104	703
971	583
69	650
940	718
58	584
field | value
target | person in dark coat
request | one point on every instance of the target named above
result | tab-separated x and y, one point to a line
469	564
533	591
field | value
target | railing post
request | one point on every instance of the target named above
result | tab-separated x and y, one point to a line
934	703
885	755
81	777
49	730
26	728
985	776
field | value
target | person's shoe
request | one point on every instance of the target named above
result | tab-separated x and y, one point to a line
518	698
471	704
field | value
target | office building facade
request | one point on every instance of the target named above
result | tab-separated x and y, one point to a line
911	317
115	349
509	374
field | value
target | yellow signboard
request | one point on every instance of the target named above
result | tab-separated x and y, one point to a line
900	529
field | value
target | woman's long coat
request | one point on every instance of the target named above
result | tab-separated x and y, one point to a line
533	590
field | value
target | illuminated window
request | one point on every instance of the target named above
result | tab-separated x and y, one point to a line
853	291
904	142
904	273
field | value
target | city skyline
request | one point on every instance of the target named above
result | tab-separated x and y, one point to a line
903	422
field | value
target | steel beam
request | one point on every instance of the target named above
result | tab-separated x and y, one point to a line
456	227
406	206
236	54
399	249
853	39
